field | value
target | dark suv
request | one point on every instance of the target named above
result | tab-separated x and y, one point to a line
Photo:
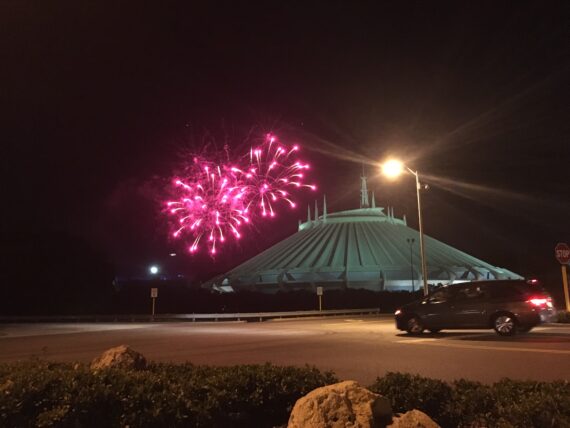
506	306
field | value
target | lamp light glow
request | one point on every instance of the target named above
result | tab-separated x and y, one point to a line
392	168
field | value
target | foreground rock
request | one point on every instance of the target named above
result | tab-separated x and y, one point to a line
342	405
6	387
413	419
119	357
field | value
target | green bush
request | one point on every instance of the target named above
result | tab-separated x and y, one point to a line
46	394
470	404
413	392
42	394
564	316
463	403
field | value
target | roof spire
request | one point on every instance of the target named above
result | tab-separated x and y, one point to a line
316	212
373	200
308	213
363	190
324	207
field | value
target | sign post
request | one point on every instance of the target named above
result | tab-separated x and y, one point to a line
153	295
320	294
562	254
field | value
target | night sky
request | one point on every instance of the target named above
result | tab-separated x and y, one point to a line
98	99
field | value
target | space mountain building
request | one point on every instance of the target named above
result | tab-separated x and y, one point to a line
366	248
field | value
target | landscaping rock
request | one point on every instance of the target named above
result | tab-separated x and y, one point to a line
6	387
342	405
413	419
119	357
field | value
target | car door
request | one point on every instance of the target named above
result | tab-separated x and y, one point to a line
436	309
469	307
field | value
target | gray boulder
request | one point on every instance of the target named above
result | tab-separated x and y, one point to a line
342	405
119	357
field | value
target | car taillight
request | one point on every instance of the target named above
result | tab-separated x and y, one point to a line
540	301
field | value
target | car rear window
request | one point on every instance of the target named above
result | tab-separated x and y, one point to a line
505	291
513	290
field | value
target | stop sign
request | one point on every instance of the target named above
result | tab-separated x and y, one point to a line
562	253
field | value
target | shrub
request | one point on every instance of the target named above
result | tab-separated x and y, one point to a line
408	392
564	316
463	403
532	404
471	404
46	394
42	394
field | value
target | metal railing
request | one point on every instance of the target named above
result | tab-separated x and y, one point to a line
247	316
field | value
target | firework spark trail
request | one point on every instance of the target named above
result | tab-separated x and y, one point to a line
214	200
208	204
272	169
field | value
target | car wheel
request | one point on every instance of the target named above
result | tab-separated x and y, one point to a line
414	326
525	328
505	325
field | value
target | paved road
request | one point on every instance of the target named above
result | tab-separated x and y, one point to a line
354	348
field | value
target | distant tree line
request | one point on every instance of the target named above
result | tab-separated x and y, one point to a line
59	274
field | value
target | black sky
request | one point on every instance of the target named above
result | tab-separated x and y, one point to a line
98	97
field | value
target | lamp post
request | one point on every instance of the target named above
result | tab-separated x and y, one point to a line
392	169
153	291
411	243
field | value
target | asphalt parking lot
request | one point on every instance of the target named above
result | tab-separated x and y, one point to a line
359	348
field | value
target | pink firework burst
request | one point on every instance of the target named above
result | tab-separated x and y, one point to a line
209	205
212	200
270	174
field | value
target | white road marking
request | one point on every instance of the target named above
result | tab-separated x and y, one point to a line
436	342
427	339
351	323
10	331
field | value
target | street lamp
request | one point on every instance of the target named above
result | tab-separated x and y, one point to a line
392	169
411	243
153	270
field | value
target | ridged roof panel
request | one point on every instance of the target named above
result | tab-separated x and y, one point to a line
356	240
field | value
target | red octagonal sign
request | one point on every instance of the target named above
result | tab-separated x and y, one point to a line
562	253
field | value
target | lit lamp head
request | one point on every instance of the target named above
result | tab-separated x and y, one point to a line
153	270
392	168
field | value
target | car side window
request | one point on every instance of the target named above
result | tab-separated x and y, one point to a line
471	293
439	296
